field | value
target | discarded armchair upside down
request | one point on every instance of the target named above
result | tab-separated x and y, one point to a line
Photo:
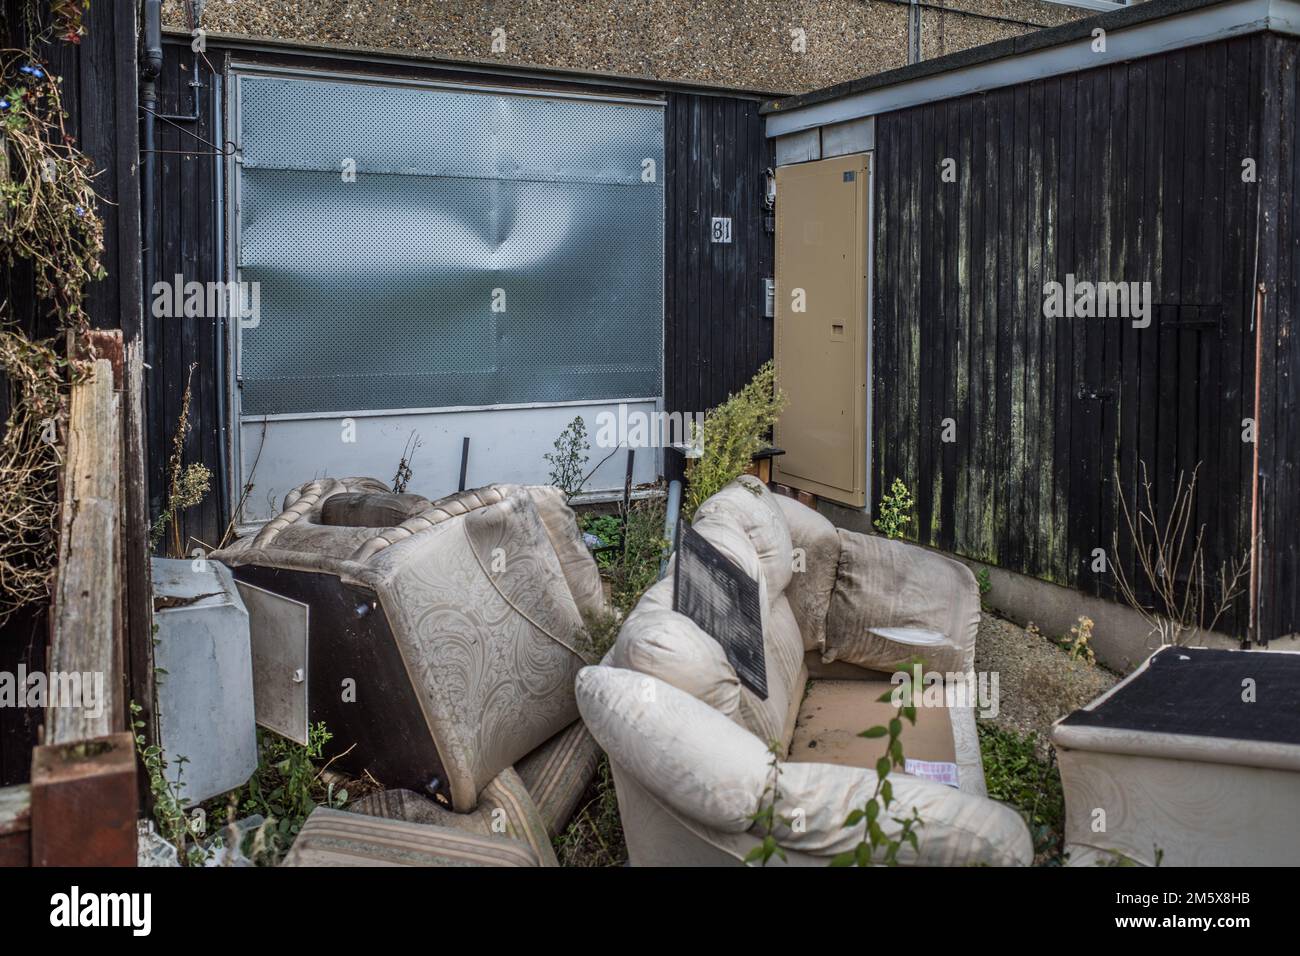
442	644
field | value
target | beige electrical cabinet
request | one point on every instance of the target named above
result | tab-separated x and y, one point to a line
822	333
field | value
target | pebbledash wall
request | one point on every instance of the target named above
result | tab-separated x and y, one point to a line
745	44
1170	158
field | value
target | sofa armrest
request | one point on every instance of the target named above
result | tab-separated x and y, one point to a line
958	829
894	601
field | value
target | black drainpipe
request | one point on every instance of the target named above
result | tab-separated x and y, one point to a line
150	66
151	59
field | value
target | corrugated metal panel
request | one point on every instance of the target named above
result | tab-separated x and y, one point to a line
493	248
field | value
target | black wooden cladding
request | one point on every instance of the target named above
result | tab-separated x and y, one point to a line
98	90
715	334
1280	370
1131	172
190	240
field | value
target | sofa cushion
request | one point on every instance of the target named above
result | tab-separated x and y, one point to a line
835	712
680	749
814	560
882	585
747	504
957	829
505	809
656	640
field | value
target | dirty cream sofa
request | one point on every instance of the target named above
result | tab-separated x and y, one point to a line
461	622
689	745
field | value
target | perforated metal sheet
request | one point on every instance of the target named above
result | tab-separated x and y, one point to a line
379	293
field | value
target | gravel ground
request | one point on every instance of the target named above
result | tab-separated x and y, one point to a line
1037	681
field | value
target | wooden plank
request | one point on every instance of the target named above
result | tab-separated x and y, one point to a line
885	312
960	464
950	363
1137	229
1286	468
1034	538
1235	281
86	602
1004	487
1166	466
989	441
976	495
1017	555
1066	570
1118	173
1216	497
1251	264
925	325
1051	179
1278	240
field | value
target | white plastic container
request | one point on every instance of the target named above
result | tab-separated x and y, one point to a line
205	679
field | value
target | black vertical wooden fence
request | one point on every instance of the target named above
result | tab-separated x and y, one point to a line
1131	172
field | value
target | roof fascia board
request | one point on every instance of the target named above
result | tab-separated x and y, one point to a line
427	61
1141	40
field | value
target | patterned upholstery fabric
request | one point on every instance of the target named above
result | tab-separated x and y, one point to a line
338	838
488	629
575	560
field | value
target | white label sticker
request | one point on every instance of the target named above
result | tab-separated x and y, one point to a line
720	229
937	770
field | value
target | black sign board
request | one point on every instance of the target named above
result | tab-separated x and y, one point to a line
723	601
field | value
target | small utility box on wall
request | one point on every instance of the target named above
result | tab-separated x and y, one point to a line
821	332
205	677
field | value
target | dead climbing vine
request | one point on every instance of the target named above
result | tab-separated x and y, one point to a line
49	223
47	191
30	457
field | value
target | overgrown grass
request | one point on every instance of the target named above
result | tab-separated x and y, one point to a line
638	546
285	788
1017	777
594	837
